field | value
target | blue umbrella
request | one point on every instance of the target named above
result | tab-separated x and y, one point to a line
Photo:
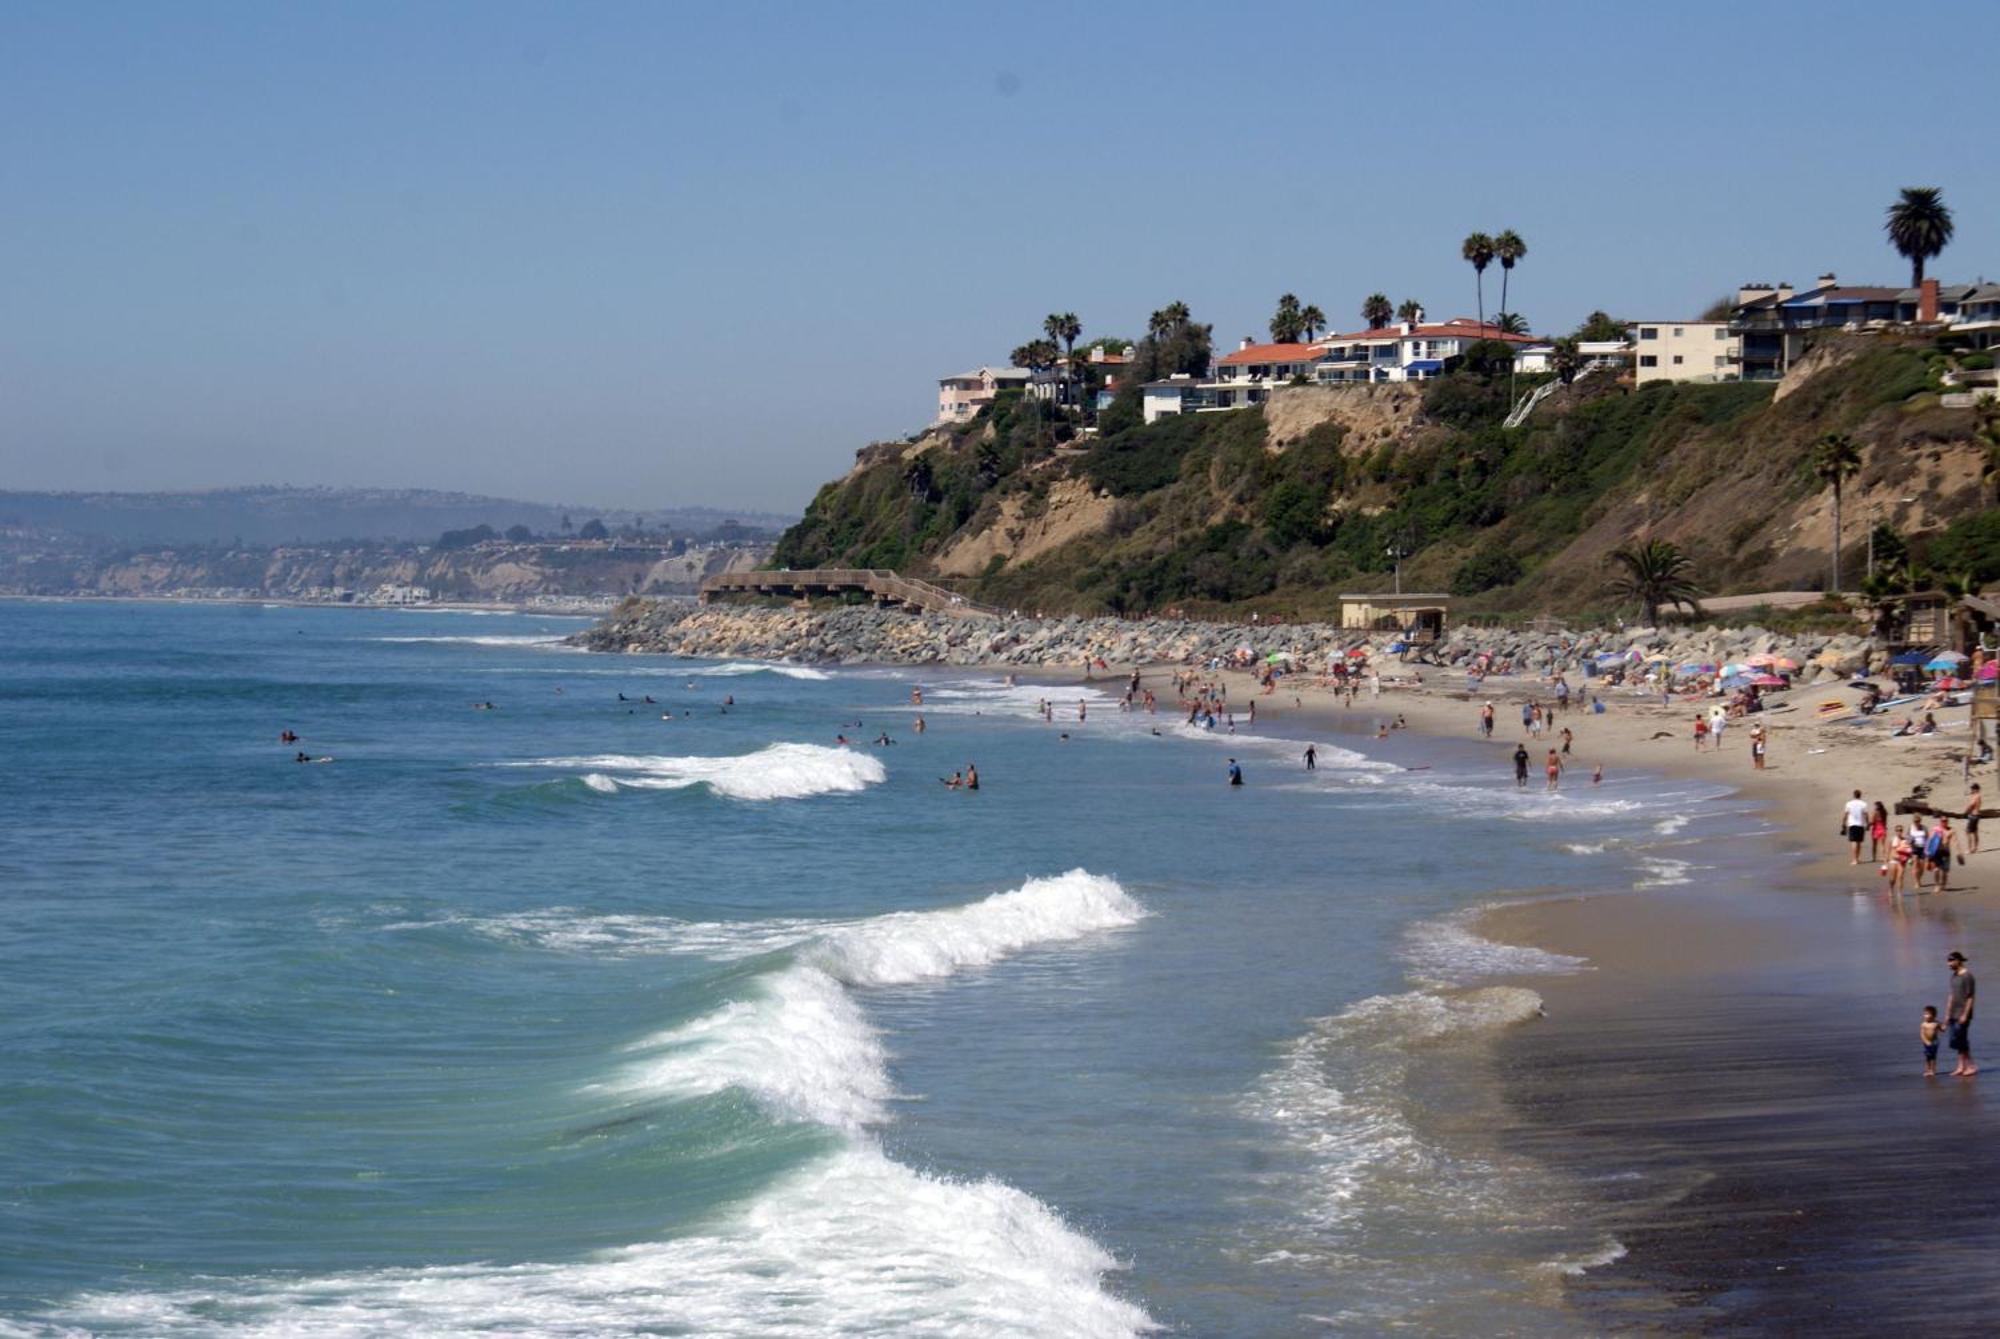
1908	658
1945	663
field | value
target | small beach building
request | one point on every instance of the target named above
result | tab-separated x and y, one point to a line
1419	616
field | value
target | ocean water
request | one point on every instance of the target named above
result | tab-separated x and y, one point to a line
567	1017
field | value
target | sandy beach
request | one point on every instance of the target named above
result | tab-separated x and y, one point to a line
1739	1070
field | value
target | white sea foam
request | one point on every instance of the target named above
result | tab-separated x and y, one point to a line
539	639
1338	1093
1587	848
1447	951
853	1244
1666	827
797	1041
1658	872
777	772
567	930
737	668
1575	1266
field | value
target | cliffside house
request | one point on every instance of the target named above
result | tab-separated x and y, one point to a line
1687	351
1236	380
962	396
1771	322
1410	351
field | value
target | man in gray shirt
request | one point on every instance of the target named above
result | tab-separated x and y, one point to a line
1958	1014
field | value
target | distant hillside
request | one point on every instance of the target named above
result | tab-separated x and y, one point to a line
321	515
1283	506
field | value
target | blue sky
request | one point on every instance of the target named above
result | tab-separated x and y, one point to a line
650	254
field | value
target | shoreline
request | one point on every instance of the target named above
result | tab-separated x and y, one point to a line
1651	1075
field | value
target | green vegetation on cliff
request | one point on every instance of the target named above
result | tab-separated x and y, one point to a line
1202	510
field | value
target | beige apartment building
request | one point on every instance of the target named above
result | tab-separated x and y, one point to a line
1685	351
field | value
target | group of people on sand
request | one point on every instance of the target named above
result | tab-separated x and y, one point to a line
1918	855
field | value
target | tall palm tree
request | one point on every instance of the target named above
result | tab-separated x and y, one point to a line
1510	323
1478	252
1918	225
1376	311
1411	311
1655	572
1286	322
1065	327
1508	248
1314	321
1836	459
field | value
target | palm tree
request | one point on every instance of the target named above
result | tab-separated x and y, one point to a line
1566	357
1478	251
1411	311
1375	311
1065	327
1314	321
1287	323
1508	248
1918	225
1655	573
1836	459
1510	323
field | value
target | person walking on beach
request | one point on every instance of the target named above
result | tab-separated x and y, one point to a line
1521	766
1757	751
1700	731
1958	1014
1899	862
1567	739
1855	820
1486	721
1555	768
1973	803
1938	846
1312	757
1878	827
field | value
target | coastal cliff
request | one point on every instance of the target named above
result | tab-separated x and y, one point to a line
1322	489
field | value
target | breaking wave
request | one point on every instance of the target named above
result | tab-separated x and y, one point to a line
776	772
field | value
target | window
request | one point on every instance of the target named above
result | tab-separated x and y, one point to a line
1648	360
1677	360
1722	332
1649	332
1720	361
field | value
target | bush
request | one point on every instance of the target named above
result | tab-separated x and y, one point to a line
1489	567
1976	362
1969	544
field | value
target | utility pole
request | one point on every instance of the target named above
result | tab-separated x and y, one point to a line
1395	555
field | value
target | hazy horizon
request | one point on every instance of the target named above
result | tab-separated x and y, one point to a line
680	256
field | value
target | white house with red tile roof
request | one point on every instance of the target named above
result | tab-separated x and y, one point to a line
1406	352
1236	380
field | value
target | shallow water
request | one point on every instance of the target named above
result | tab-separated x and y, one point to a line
566	1018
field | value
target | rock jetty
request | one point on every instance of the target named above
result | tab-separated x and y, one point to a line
857	635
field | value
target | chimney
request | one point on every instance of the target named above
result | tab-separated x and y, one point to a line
1826	280
1927	301
1247	342
1405	328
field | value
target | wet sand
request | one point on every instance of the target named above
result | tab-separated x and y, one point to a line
1739	1077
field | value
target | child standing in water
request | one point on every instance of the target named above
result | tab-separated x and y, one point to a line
1927	1032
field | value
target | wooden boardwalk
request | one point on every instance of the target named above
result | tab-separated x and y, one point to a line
883	586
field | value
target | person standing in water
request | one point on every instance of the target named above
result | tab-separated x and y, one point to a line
1235	773
1521	766
971	777
1958	1014
1312	757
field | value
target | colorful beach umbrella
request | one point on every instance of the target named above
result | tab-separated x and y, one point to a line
1784	663
1945	663
1695	667
1768	681
1731	671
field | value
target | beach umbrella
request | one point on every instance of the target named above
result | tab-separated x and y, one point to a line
1279	658
1761	659
1736	670
1360	651
1694	667
1944	662
1784	663
1768	681
1658	657
1908	658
